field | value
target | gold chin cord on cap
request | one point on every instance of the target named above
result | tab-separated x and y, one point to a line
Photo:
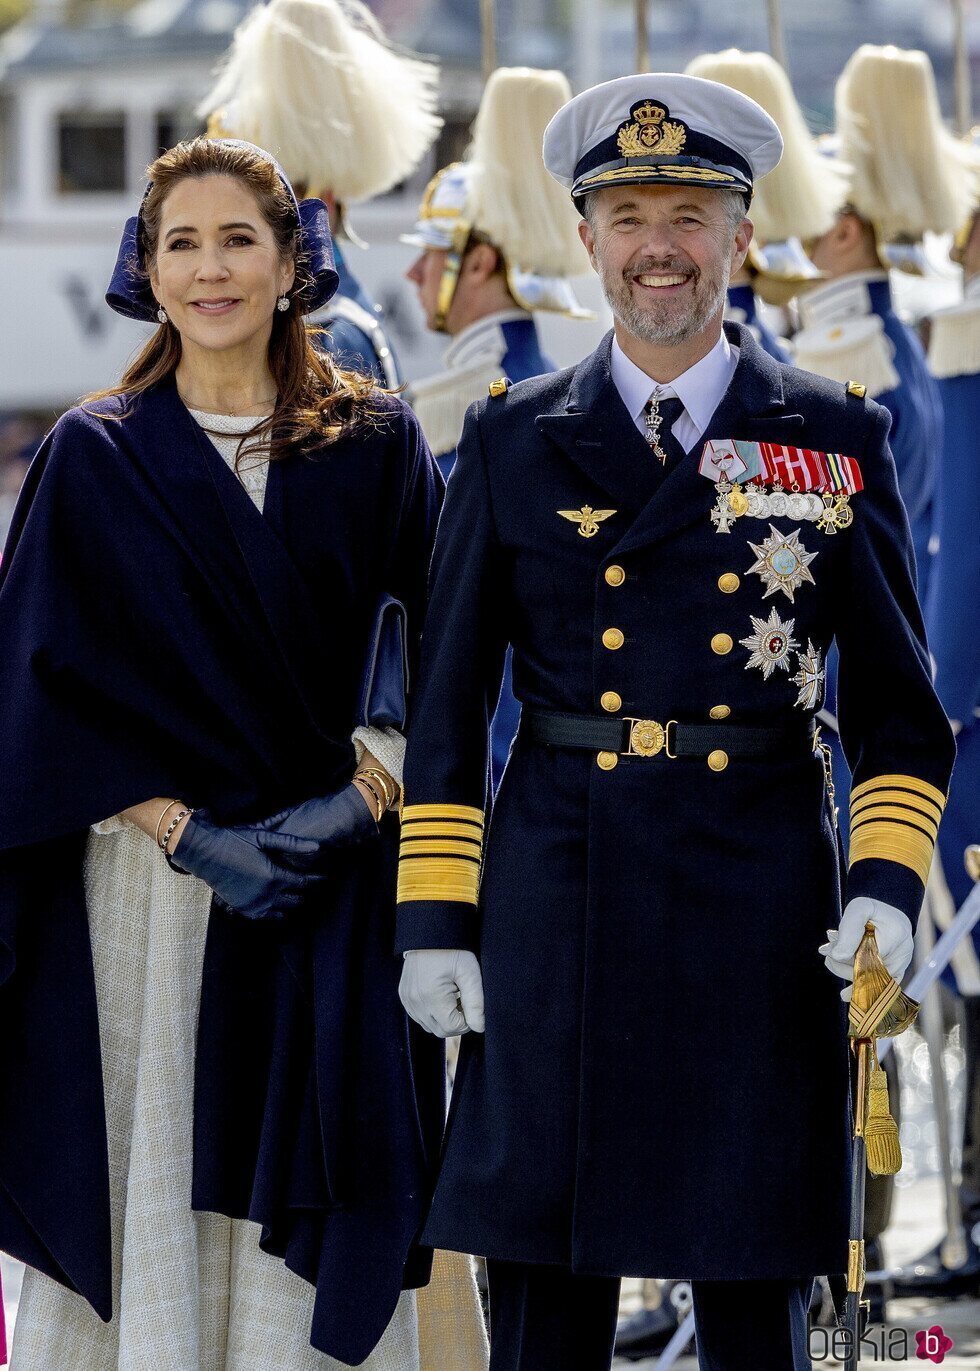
450	275
879	1008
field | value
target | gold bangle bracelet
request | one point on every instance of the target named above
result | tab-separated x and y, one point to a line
385	781
378	797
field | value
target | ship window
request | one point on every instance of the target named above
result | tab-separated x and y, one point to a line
91	152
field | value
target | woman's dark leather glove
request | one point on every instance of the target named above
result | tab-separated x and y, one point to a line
307	835
245	876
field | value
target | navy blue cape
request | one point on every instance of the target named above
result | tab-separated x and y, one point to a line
162	637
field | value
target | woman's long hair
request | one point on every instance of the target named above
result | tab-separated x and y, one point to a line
317	401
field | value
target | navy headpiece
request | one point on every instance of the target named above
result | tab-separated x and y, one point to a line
129	290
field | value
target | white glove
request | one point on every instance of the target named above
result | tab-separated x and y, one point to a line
442	990
893	932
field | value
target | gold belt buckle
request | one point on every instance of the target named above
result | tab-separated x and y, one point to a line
647	737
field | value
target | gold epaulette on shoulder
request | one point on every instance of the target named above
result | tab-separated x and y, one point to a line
856	388
896	818
499	387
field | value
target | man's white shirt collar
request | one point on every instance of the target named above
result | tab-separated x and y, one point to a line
699	389
483	340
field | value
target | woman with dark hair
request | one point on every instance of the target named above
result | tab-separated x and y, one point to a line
218	1124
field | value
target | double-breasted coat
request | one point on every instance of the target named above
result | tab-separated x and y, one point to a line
648	927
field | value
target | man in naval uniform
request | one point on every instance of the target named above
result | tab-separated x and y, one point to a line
670	534
347	116
951	616
498	241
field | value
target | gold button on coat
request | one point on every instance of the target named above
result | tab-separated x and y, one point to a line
611	702
615	575
719	712
718	760
613	638
607	760
728	582
721	643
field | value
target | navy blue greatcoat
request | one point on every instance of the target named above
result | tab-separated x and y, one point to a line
648	934
162	637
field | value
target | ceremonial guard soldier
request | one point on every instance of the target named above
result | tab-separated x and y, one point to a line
798	200
899	189
348	117
951	614
498	241
670	534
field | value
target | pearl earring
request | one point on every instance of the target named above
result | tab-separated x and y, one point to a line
282	304
162	315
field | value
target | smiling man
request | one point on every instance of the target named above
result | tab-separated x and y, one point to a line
670	534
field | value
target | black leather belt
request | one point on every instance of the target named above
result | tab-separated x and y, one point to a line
634	737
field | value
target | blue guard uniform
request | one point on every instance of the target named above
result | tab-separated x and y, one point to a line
851	322
954	593
353	329
742	309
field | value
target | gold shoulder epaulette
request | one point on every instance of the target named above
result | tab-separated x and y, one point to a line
856	388
499	387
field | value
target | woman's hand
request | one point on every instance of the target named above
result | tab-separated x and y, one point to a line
305	836
244	874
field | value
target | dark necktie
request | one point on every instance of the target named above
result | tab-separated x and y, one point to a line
660	417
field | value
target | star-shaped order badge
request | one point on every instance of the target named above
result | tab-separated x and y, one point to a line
809	677
770	644
782	562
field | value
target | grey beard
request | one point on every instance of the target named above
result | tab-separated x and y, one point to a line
667	332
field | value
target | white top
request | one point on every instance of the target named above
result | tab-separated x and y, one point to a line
699	389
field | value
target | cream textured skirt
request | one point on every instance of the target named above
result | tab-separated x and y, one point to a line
191	1292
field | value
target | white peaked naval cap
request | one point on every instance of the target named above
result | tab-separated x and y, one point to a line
661	128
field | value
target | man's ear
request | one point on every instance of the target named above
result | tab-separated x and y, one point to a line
588	240
481	261
740	246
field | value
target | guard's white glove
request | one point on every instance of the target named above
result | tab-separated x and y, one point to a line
442	990
893	933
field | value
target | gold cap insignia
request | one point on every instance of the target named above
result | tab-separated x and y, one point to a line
855	388
587	518
650	132
499	387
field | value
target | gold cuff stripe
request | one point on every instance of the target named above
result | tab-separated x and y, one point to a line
902	783
455	879
463	813
893	842
876	813
424	828
420	847
906	798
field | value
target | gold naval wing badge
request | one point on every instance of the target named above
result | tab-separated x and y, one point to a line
587	518
650	132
